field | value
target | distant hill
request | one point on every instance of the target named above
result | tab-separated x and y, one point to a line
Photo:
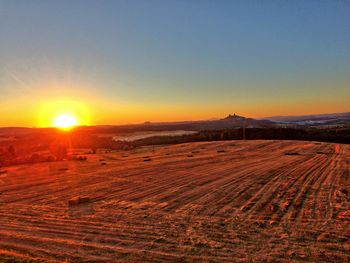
333	118
230	121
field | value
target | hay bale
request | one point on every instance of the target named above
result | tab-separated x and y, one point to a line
78	201
84	199
79	158
73	202
291	153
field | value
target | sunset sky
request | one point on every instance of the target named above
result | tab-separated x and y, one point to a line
117	62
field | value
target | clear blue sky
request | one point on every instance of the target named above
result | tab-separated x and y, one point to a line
171	60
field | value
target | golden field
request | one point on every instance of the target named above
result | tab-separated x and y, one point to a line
229	201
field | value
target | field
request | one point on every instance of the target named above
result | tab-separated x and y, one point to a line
198	202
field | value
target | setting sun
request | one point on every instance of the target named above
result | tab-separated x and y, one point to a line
63	114
65	121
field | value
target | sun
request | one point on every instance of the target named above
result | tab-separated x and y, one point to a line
63	113
65	121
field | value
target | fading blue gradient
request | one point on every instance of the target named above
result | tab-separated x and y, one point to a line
180	52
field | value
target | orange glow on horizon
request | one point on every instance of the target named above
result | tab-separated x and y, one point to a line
41	110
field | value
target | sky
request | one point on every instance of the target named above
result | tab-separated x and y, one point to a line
118	62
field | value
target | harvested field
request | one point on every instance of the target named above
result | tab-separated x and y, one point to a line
242	201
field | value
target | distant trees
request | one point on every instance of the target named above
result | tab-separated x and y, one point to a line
327	135
9	155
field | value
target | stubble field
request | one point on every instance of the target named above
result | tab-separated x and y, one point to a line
230	201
